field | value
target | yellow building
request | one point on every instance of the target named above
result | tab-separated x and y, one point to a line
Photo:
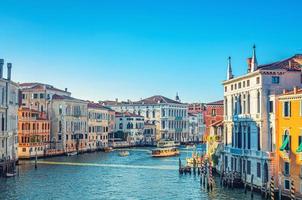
289	141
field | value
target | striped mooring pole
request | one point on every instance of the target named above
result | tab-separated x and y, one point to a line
272	188
211	175
292	190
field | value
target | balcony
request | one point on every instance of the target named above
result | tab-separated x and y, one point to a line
249	153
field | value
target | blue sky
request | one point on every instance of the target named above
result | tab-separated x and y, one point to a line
135	49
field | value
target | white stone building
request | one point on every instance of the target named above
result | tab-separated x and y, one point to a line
8	120
69	124
132	125
249	126
169	116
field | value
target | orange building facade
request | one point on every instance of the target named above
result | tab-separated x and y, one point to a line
289	141
33	133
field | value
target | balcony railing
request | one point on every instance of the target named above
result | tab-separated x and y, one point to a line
249	152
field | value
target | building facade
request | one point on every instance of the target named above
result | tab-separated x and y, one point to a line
212	114
169	116
248	132
33	133
69	124
132	125
9	120
37	96
101	122
289	141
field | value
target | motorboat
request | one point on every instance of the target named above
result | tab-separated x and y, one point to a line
123	153
72	153
165	152
108	149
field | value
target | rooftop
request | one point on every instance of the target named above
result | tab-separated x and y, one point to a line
36	85
126	114
293	63
220	102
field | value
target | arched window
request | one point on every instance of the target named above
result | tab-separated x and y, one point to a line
147	113
153	114
163	112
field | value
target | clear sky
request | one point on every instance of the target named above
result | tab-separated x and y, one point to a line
131	49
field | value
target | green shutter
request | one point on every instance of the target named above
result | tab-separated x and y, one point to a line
299	150
285	142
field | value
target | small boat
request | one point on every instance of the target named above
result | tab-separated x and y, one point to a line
165	152
72	153
167	143
11	174
123	153
108	149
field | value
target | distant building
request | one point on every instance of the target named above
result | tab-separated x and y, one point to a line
8	122
101	122
195	108
212	114
131	125
149	133
33	133
169	116
37	96
69	124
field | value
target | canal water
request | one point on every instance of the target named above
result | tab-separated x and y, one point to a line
102	175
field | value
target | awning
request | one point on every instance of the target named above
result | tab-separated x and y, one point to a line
299	150
285	143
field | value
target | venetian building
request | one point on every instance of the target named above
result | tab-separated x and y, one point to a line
169	116
69	124
33	133
101	122
249	125
8	120
37	96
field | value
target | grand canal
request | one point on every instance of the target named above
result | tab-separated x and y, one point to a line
107	176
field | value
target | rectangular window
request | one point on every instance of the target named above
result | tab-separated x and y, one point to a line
286	109
248	83
41	96
286	184
239	85
248	167
60	137
275	79
35	96
259	170
271	106
286	168
23	149
213	112
225	88
258	80
299	140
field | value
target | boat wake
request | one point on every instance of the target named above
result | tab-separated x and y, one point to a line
159	167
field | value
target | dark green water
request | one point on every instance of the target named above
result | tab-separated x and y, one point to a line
108	176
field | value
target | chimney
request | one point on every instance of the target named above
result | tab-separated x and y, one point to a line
295	89
9	71
65	89
1	67
284	91
249	64
116	100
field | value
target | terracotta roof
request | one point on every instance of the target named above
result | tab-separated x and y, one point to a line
64	97
220	102
291	92
98	105
293	63
36	84
157	99
126	114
